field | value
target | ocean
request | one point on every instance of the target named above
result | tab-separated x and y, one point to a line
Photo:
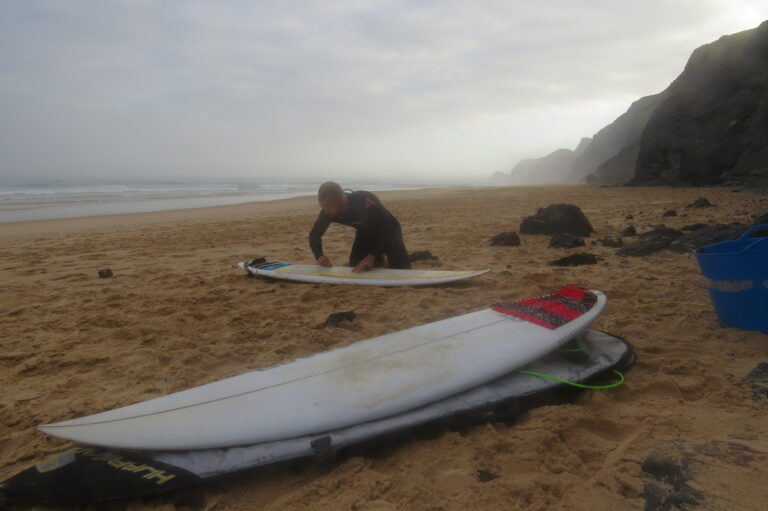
42	202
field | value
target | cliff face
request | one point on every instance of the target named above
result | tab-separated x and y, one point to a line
619	169
552	168
709	126
712	126
617	143
608	157
499	179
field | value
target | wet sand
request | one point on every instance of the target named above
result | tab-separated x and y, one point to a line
177	314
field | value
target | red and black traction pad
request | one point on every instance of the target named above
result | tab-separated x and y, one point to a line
553	310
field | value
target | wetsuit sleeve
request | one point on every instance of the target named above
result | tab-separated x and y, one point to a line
316	234
380	221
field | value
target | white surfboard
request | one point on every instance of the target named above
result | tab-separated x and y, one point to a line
361	382
343	274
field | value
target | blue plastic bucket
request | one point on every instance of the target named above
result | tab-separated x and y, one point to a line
737	278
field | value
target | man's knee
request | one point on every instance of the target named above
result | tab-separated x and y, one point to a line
397	257
399	264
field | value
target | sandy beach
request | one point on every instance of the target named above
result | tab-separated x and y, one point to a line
177	314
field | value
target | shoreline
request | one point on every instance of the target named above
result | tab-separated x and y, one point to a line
206	213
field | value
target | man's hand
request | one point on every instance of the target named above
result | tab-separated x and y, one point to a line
364	265
324	261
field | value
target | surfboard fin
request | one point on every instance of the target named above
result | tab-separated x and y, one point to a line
323	449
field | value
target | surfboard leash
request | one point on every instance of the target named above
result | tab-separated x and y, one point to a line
618	374
579	346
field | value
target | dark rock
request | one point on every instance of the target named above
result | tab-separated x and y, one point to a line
505	273
421	255
629	231
759	373
258	261
565	241
711	128
693	227
690	241
628	217
670	490
484	475
669	212
337	317
105	274
701	202
505	239
759	379
611	242
650	242
666	470
575	260
557	219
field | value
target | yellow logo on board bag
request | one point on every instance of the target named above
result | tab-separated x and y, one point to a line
118	462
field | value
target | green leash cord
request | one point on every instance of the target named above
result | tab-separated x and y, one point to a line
578	385
573	350
580	347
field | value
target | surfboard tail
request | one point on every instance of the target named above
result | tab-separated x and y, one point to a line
554	310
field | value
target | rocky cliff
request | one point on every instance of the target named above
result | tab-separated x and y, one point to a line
712	127
551	169
610	158
709	126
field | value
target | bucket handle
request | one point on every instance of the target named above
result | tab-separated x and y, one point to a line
756	241
751	229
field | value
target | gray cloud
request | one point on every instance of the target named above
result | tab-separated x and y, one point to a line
414	89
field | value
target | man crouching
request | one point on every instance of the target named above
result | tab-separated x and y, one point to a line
378	231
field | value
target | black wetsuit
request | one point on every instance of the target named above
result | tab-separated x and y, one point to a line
378	231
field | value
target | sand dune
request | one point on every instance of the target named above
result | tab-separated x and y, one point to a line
177	314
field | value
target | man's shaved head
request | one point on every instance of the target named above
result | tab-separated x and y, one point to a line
329	190
331	198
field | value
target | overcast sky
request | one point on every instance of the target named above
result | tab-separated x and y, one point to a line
376	90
